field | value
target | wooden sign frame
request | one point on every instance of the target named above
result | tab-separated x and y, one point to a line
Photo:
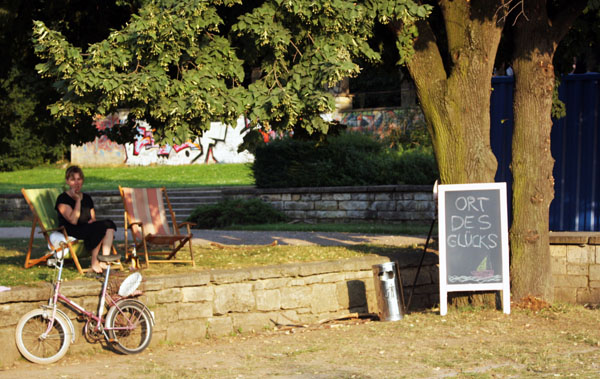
502	285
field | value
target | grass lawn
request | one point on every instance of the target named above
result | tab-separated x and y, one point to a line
413	229
109	178
12	257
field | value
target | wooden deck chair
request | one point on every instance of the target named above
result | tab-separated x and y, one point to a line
41	202
145	216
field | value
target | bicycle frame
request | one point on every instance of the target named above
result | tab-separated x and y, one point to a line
57	296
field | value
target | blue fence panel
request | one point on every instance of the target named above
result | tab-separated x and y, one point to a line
575	141
501	130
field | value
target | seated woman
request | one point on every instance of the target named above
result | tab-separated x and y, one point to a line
76	213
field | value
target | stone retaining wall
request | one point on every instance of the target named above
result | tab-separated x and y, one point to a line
390	204
192	307
393	203
576	266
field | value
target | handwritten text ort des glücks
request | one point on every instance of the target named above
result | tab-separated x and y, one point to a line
472	229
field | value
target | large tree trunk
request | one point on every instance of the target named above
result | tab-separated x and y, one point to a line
535	39
455	96
456	99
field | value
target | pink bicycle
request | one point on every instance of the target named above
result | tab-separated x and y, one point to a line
44	335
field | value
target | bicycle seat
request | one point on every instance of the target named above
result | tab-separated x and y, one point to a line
109	258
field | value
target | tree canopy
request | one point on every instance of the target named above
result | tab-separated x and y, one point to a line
179	66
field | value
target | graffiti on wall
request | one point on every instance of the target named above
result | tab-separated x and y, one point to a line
381	123
218	144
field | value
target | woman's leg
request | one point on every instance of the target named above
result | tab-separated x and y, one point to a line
97	267
107	241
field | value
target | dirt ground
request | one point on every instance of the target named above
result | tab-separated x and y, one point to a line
557	341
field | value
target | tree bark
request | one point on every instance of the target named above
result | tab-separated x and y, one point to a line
536	37
455	98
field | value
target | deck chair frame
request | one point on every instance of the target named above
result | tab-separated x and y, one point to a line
50	225
142	238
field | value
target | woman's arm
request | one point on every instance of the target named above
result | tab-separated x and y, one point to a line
92	216
71	214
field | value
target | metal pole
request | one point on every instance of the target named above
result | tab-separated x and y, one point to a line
412	291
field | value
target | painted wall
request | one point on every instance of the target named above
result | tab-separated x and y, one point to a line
380	122
218	145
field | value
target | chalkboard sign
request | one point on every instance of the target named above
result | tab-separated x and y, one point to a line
473	238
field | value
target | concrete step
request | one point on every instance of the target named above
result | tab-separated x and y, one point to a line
183	201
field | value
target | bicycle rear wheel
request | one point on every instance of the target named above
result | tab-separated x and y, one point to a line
129	326
37	348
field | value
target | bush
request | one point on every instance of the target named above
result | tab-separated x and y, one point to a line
235	212
350	159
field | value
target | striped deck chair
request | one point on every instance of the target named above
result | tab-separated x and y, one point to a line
145	216
41	202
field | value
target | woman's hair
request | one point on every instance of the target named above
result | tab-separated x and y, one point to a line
72	170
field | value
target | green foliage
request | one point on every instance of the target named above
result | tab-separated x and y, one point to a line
235	212
346	160
180	64
27	138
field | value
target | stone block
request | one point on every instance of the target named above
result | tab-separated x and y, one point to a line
268	300
594	284
295	297
165	315
326	206
286	197
317	268
11	313
333	277
329	214
558	251
570	281
311	197
169	295
192	311
271	197
361	215
299	205
197	294
252	322
423	196
362	196
386	196
186	331
237	297
342	196
382	206
277	205
8	351
404	196
580	254
187	280
229	276
588	296
296	215
353	205
594	272
351	294
558	264
219	326
270	283
575	269
323	298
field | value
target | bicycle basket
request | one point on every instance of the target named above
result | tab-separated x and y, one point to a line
122	285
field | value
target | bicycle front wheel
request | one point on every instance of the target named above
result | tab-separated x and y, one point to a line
35	345
129	326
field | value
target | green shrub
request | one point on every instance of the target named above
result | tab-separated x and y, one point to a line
350	159
235	212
